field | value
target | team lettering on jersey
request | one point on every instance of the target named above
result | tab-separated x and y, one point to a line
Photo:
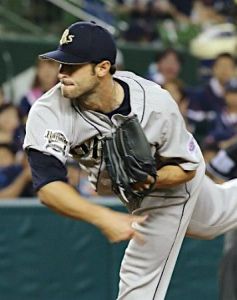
88	153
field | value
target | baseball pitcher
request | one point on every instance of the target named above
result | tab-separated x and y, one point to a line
129	135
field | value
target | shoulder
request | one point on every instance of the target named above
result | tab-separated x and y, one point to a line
147	97
133	79
51	103
153	92
49	125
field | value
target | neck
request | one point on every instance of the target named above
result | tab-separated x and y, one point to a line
107	97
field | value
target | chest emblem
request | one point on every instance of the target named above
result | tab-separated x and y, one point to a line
89	152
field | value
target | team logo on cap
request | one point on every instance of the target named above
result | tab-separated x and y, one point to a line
66	37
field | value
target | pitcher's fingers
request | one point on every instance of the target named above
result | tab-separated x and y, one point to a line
146	186
139	219
150	179
139	238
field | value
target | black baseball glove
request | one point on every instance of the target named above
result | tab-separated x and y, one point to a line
128	160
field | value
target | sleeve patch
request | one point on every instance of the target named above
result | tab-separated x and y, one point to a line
191	146
56	142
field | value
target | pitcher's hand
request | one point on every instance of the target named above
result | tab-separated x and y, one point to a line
145	185
118	227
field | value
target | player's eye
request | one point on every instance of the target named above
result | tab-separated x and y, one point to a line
69	69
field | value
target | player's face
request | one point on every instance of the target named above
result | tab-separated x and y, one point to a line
77	80
224	69
231	100
9	119
169	66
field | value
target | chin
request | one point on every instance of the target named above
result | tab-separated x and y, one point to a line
67	93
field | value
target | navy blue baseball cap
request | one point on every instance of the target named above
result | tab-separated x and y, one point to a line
231	86
84	42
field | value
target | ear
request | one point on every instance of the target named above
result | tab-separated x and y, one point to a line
102	68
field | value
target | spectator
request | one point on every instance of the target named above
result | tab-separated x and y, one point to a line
177	90
11	131
223	70
45	79
15	178
166	67
225	126
143	16
207	102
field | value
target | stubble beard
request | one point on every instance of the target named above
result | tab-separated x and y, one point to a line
86	99
68	93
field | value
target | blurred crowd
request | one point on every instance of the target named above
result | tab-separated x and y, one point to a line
135	20
168	19
209	110
15	174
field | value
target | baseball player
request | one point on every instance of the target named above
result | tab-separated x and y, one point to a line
71	120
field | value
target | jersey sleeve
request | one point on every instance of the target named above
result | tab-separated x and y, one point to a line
48	131
45	169
175	143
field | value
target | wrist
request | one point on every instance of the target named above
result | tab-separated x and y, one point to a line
101	215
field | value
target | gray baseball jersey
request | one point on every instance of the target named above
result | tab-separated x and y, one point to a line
62	130
197	208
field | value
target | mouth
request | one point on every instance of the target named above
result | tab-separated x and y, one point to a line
66	83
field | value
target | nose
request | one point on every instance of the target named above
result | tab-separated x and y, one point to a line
62	72
61	76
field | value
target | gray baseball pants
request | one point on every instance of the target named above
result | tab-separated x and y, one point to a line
207	211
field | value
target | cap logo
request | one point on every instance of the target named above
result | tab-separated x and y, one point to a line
66	37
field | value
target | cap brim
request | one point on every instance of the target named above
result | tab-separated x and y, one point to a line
63	58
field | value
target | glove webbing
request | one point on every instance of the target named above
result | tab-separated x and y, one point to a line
122	184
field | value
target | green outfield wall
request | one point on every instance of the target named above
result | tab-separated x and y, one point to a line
44	256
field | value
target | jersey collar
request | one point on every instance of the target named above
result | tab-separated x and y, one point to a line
137	93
